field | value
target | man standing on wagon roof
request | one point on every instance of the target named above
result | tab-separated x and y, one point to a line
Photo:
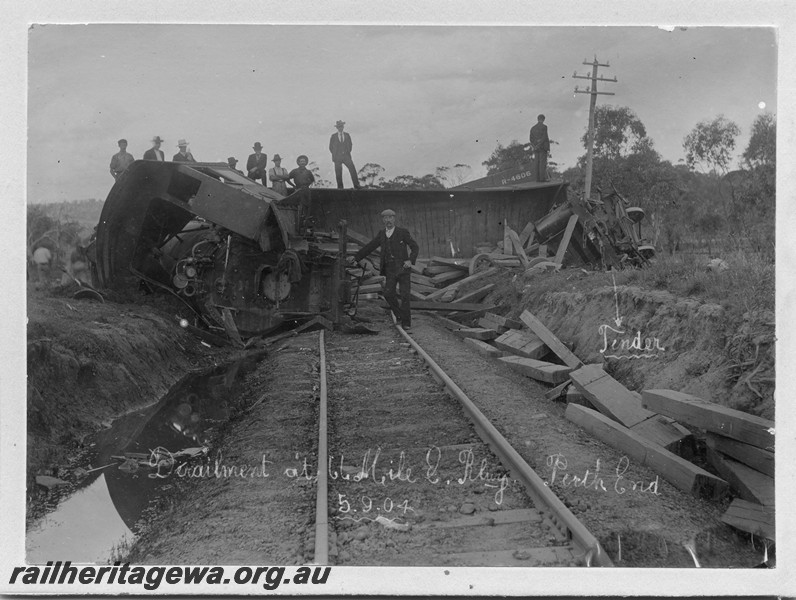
155	153
121	160
340	146
398	253
540	146
184	155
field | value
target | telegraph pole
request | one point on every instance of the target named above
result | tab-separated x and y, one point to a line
592	105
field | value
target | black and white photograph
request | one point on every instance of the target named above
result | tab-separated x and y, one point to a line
322	304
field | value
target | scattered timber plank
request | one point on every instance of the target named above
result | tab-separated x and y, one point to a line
448	276
752	456
527	235
609	396
750	485
475	295
424	289
477	333
463	264
712	417
504	321
507	245
446	306
368	289
447	323
432	270
360	239
484	348
421	279
521	343
550	340
674	469
751	517
472	314
558	391
417	295
374	279
665	432
543	250
458	284
518	249
418	269
574	396
562	247
488	323
537	369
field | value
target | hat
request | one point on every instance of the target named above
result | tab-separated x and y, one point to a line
257	145
277	157
339	123
388	213
157	139
304	156
182	143
122	141
232	159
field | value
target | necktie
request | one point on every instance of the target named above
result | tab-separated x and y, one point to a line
341	138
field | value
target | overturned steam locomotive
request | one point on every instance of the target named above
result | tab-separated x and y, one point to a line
233	250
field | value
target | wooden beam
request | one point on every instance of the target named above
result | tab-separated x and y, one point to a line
751	517
527	234
421	279
558	391
477	333
484	348
504	321
432	270
749	484
550	340
475	295
488	323
463	264
458	284
562	247
609	396
752	456
712	417
543	250
518	249
537	369
521	343
447	276
674	469
359	239
507	245
665	432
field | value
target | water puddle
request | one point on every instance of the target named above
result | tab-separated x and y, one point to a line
99	517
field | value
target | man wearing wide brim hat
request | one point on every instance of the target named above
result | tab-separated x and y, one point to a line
183	155
233	162
155	153
257	165
398	253
278	176
340	146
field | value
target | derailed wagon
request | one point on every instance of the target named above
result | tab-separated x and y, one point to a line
234	250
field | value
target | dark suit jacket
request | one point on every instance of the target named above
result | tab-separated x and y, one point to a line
261	165
539	139
404	239
150	154
340	151
180	158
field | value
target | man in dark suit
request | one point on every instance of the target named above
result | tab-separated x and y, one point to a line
398	254
155	153
540	146
257	165
340	146
184	154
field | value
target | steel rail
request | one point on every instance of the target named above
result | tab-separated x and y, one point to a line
536	487
321	502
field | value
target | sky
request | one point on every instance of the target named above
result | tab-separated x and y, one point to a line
414	98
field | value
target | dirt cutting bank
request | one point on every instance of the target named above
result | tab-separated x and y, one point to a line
697	347
89	363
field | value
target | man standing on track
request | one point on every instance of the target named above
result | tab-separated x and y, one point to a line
398	253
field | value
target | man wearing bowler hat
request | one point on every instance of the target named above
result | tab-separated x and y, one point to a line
155	153
340	146
233	164
398	254
257	165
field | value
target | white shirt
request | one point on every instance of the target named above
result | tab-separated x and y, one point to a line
390	232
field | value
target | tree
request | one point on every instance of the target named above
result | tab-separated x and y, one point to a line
506	157
618	132
369	173
410	182
762	148
455	175
711	144
316	172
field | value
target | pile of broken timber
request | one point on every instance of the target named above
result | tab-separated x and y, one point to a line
740	447
644	426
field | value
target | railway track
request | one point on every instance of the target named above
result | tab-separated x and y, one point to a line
418	476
